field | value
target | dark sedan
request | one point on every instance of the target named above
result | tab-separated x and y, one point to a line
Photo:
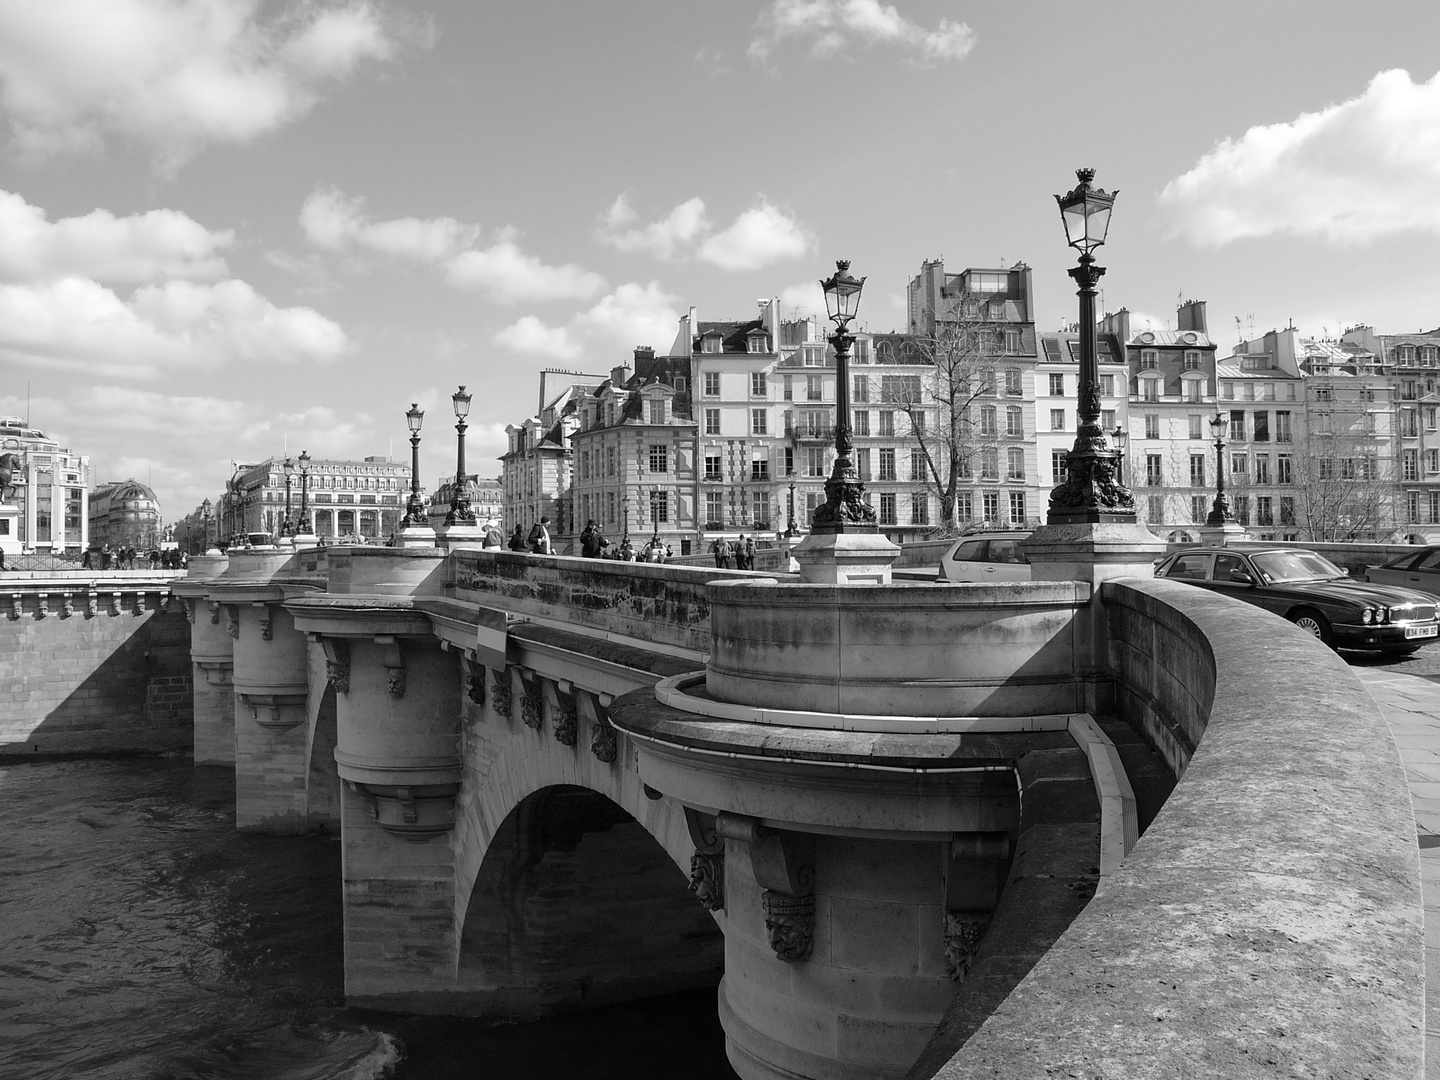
1418	569
1314	594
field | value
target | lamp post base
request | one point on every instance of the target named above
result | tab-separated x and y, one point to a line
464	535
1222	533
1092	551
415	536
844	558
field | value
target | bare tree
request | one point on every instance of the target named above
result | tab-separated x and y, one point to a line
1343	486
950	404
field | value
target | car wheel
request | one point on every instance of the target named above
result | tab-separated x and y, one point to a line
1313	623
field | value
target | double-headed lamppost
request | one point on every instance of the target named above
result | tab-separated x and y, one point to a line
305	528
415	508
845	509
460	512
286	528
1092	491
1220	509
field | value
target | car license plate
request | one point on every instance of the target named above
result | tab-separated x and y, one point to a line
1421	631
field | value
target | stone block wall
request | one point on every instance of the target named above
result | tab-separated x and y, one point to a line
85	671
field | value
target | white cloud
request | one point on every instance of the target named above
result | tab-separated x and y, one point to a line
141	247
758	237
334	220
529	335
664	238
510	276
804	299
833	26
1351	172
76	324
631	315
175	74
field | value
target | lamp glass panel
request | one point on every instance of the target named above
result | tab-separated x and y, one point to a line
462	403
1097	220
1220	423
414	417
1074	218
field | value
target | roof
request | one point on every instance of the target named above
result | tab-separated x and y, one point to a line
1175	339
1234	371
733	335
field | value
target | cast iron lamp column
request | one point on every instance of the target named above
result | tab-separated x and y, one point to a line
415	509
306	529
790	517
1121	437
1092	491
1220	509
286	528
205	519
845	509
460	512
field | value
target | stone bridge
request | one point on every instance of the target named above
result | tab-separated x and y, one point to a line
906	829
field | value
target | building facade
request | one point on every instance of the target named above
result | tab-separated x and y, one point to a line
345	499
125	513
487	501
51	490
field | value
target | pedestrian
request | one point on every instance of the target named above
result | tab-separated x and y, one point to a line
722	553
627	550
592	541
105	556
517	539
748	543
655	550
540	537
740	553
184	559
494	539
85	561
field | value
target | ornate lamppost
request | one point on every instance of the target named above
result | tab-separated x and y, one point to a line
460	512
790	516
844	509
1092	491
286	528
1220	509
205	519
305	528
625	511
415	509
1121	437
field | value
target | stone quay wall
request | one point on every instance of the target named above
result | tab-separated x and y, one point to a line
1269	923
93	663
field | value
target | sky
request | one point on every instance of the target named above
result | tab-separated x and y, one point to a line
232	228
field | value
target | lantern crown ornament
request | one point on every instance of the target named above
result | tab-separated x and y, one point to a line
1086	213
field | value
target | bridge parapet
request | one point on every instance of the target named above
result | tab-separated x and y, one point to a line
1269	922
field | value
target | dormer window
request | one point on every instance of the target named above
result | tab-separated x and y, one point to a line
758	343
657	410
1149	359
710	344
1192	361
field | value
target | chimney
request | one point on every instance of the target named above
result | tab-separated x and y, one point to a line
1191	316
619	376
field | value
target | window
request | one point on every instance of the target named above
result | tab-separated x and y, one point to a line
1057	419
814	461
887	424
657	410
814	356
712	421
756	343
989	463
1409	423
789	461
1154	475
659	507
1284	469
861	424
757	379
1107	420
1197	470
1432	461
1015	463
1430	412
712	384
860	388
1107	385
887	464
1198	510
991	502
1191	361
1239	466
1014	420
1057	384
714	510
1012	342
1262	468
1241	506
712	467
904	389
1227	391
1194	389
680	384
987	381
1262	427
1197	425
988	425
861	351
1407	390
1017	507
1155	508
710	345
917	466
1149	360
1264	512
1287	510
1282	426
788	387
585	465
610	461
1152	425
1057	465
964	508
1325	468
1012	381
919	509
1237	425
814	387
760	509
1150	389
659	459
862	462
1409	466
816	423
757	421
759	470
887	509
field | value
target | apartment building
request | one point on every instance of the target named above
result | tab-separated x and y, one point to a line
51	491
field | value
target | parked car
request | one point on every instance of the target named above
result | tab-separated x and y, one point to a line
1417	569
986	557
1314	594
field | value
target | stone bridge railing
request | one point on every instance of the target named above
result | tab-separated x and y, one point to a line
1269	922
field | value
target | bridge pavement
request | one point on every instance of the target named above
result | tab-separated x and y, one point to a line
1411	706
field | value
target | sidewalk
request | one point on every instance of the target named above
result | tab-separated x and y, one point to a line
1411	706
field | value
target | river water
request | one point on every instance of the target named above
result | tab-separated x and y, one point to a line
141	936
